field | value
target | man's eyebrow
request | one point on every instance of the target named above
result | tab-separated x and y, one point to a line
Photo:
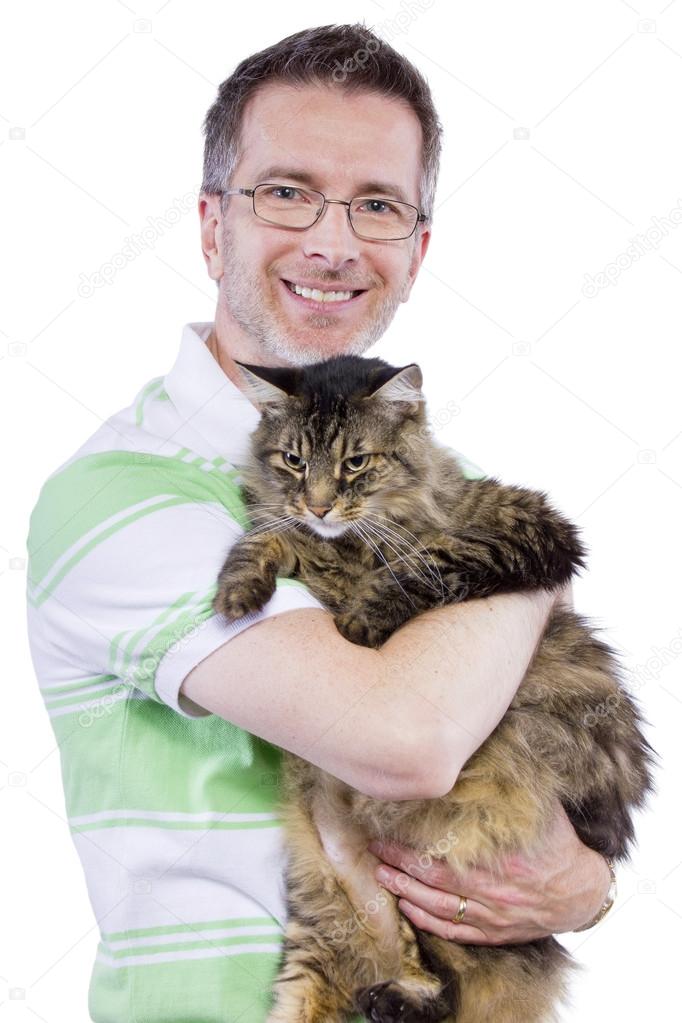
367	188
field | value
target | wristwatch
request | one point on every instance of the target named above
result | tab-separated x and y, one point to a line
610	899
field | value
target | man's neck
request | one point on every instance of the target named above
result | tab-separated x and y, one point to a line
227	364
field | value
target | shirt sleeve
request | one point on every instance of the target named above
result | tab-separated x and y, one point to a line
124	555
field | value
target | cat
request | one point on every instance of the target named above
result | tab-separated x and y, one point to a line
397	528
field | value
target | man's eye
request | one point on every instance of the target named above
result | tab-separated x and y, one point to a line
356	463
292	460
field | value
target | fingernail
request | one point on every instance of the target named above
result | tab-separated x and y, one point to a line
376	847
382	874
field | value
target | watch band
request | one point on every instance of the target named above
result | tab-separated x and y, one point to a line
610	899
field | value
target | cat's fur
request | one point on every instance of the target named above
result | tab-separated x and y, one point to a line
422	534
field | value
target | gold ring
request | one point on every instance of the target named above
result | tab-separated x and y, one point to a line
461	911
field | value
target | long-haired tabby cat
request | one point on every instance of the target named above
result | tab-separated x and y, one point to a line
350	493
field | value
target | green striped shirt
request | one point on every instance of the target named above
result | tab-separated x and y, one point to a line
173	811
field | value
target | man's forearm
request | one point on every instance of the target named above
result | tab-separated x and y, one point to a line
458	667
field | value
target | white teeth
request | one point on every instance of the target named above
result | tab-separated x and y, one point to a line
321	296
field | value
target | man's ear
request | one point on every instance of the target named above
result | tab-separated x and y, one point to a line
420	247
211	228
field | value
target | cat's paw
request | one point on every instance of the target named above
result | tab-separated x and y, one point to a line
356	628
390	1003
238	596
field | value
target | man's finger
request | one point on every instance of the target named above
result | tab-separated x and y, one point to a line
462	933
435	872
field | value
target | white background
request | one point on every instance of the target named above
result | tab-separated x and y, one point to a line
562	144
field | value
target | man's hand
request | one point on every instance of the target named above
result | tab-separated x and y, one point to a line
560	889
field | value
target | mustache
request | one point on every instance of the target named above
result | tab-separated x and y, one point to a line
328	278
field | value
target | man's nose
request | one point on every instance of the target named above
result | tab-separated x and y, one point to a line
319	509
332	237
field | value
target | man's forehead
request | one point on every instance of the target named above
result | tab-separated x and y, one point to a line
335	135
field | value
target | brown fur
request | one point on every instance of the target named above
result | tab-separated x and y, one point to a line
418	534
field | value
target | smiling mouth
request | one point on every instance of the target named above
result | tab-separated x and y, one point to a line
320	297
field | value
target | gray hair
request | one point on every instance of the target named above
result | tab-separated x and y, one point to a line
350	57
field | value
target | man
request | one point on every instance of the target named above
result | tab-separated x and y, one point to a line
169	719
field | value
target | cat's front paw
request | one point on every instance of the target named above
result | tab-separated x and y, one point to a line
239	595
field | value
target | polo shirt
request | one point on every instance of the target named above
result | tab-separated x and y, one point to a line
172	810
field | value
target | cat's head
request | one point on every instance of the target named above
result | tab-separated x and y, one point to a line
338	441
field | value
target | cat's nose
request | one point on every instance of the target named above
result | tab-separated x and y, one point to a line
319	509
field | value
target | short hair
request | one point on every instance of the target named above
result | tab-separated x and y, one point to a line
352	58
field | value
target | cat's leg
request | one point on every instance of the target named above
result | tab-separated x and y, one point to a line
302	992
506	538
415	994
505	984
247	579
345	935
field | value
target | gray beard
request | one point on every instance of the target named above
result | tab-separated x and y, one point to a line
242	298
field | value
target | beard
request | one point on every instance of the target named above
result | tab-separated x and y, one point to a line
268	324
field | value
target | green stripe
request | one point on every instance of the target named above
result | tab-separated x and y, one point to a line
202	925
97	540
89	491
149	658
186	946
143	822
62	688
151	386
79	702
182	599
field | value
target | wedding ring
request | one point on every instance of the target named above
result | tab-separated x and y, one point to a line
461	911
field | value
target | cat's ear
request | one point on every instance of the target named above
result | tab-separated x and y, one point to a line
267	385
403	384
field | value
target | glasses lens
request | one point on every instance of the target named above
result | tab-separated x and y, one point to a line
371	216
287	205
378	218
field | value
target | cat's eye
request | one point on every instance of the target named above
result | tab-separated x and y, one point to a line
292	460
355	463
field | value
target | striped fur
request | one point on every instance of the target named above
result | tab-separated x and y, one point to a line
420	534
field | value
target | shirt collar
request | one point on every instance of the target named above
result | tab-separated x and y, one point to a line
206	398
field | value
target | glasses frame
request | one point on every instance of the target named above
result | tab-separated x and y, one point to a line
251	192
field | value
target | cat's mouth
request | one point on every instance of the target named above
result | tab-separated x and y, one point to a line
329	530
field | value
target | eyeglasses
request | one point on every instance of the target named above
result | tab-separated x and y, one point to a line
370	216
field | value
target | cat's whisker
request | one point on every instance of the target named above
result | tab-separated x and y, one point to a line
411	560
355	526
384	531
433	572
273	525
418	547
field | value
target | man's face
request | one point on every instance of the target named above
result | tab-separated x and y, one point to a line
343	142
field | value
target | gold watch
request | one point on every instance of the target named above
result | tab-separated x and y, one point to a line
610	899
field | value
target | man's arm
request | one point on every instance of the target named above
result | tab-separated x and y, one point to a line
395	723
